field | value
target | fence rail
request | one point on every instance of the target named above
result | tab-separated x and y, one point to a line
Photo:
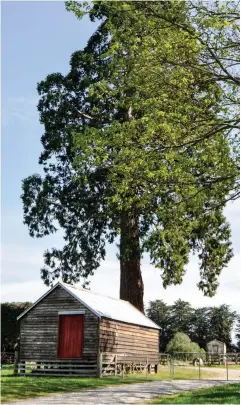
184	365
120	364
187	365
55	368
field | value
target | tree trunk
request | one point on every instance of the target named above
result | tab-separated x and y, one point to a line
131	284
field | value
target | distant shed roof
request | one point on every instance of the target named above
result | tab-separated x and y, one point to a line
215	341
103	306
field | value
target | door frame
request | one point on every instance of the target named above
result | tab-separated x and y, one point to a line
60	313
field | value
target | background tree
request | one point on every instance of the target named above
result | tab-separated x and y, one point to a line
222	320
181	317
201	324
237	332
160	313
200	330
128	156
9	326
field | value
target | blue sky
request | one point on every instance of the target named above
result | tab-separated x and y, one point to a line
37	39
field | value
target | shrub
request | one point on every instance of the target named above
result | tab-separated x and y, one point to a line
182	343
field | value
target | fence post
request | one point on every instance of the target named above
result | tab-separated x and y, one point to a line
16	360
123	366
199	366
100	365
227	366
116	365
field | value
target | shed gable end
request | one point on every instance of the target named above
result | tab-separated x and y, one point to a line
39	327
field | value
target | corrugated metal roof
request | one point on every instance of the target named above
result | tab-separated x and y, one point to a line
103	306
110	307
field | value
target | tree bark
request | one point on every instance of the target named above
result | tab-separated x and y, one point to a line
131	284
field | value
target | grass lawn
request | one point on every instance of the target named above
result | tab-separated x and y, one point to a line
13	388
225	394
230	366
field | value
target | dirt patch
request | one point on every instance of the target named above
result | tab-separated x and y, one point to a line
211	373
221	373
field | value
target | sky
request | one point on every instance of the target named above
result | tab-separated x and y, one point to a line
38	39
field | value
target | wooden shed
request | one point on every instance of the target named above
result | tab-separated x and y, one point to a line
78	331
216	352
216	347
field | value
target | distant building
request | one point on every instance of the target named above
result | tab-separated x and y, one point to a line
216	347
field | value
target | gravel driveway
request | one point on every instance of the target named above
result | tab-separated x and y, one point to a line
122	394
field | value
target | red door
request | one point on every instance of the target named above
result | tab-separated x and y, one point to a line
71	328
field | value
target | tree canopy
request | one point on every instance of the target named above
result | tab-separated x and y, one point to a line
129	152
201	324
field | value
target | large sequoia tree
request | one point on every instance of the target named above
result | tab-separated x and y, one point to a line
129	156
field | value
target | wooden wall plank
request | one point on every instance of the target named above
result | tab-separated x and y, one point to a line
39	327
118	337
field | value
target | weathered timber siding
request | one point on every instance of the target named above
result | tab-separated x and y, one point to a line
39	327
121	337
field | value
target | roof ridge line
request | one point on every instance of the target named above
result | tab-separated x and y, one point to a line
96	293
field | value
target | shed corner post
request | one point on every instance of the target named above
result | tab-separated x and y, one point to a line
116	363
16	361
16	357
100	365
99	353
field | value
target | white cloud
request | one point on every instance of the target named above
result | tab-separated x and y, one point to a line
17	254
22	292
17	109
20	264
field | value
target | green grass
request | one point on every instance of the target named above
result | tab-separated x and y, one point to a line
13	388
226	394
230	366
27	387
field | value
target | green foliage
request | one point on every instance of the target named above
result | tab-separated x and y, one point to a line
222	321
9	326
179	343
215	26
201	324
181	317
237	332
160	313
135	130
182	343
